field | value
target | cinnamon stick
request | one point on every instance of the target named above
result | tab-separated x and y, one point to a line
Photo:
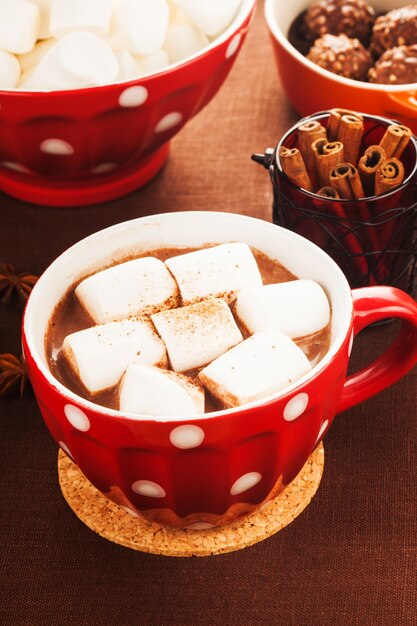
294	167
368	164
327	155
350	133
345	178
334	120
307	134
328	192
389	176
395	140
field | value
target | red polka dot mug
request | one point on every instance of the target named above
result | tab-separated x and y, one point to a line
208	470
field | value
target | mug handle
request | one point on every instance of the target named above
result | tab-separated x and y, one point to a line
373	304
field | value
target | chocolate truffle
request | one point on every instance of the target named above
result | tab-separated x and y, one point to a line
341	55
395	67
353	18
396	28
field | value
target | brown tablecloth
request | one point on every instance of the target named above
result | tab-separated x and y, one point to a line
349	559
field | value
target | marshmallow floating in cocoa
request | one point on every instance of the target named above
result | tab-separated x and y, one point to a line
87	15
152	391
258	367
100	355
79	59
211	16
218	272
296	308
19	25
138	287
195	335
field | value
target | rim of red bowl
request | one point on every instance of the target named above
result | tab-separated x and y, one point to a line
342	337
276	31
245	9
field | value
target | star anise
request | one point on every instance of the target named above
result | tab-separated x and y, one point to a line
13	284
13	375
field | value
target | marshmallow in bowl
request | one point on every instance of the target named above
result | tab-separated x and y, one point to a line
100	355
67	16
79	59
128	65
218	272
258	367
19	25
152	391
45	16
9	70
138	287
195	335
29	60
211	16
153	62
142	37
183	40
139	25
296	308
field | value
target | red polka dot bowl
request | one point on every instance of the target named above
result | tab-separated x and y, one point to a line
91	145
311	88
208	470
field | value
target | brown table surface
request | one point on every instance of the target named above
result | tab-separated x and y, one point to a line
350	558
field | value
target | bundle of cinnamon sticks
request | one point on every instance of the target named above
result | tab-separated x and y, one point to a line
332	163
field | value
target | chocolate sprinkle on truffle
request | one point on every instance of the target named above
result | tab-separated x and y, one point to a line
341	55
353	18
396	28
395	67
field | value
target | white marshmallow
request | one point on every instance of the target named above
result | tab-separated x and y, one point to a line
184	40
19	25
45	11
138	287
139	25
77	60
211	16
9	70
296	308
153	62
29	60
195	335
128	65
149	390
68	16
258	367
218	272
100	355
24	80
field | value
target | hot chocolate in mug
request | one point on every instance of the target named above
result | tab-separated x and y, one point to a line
207	470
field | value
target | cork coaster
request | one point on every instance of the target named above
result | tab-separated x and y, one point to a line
113	523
